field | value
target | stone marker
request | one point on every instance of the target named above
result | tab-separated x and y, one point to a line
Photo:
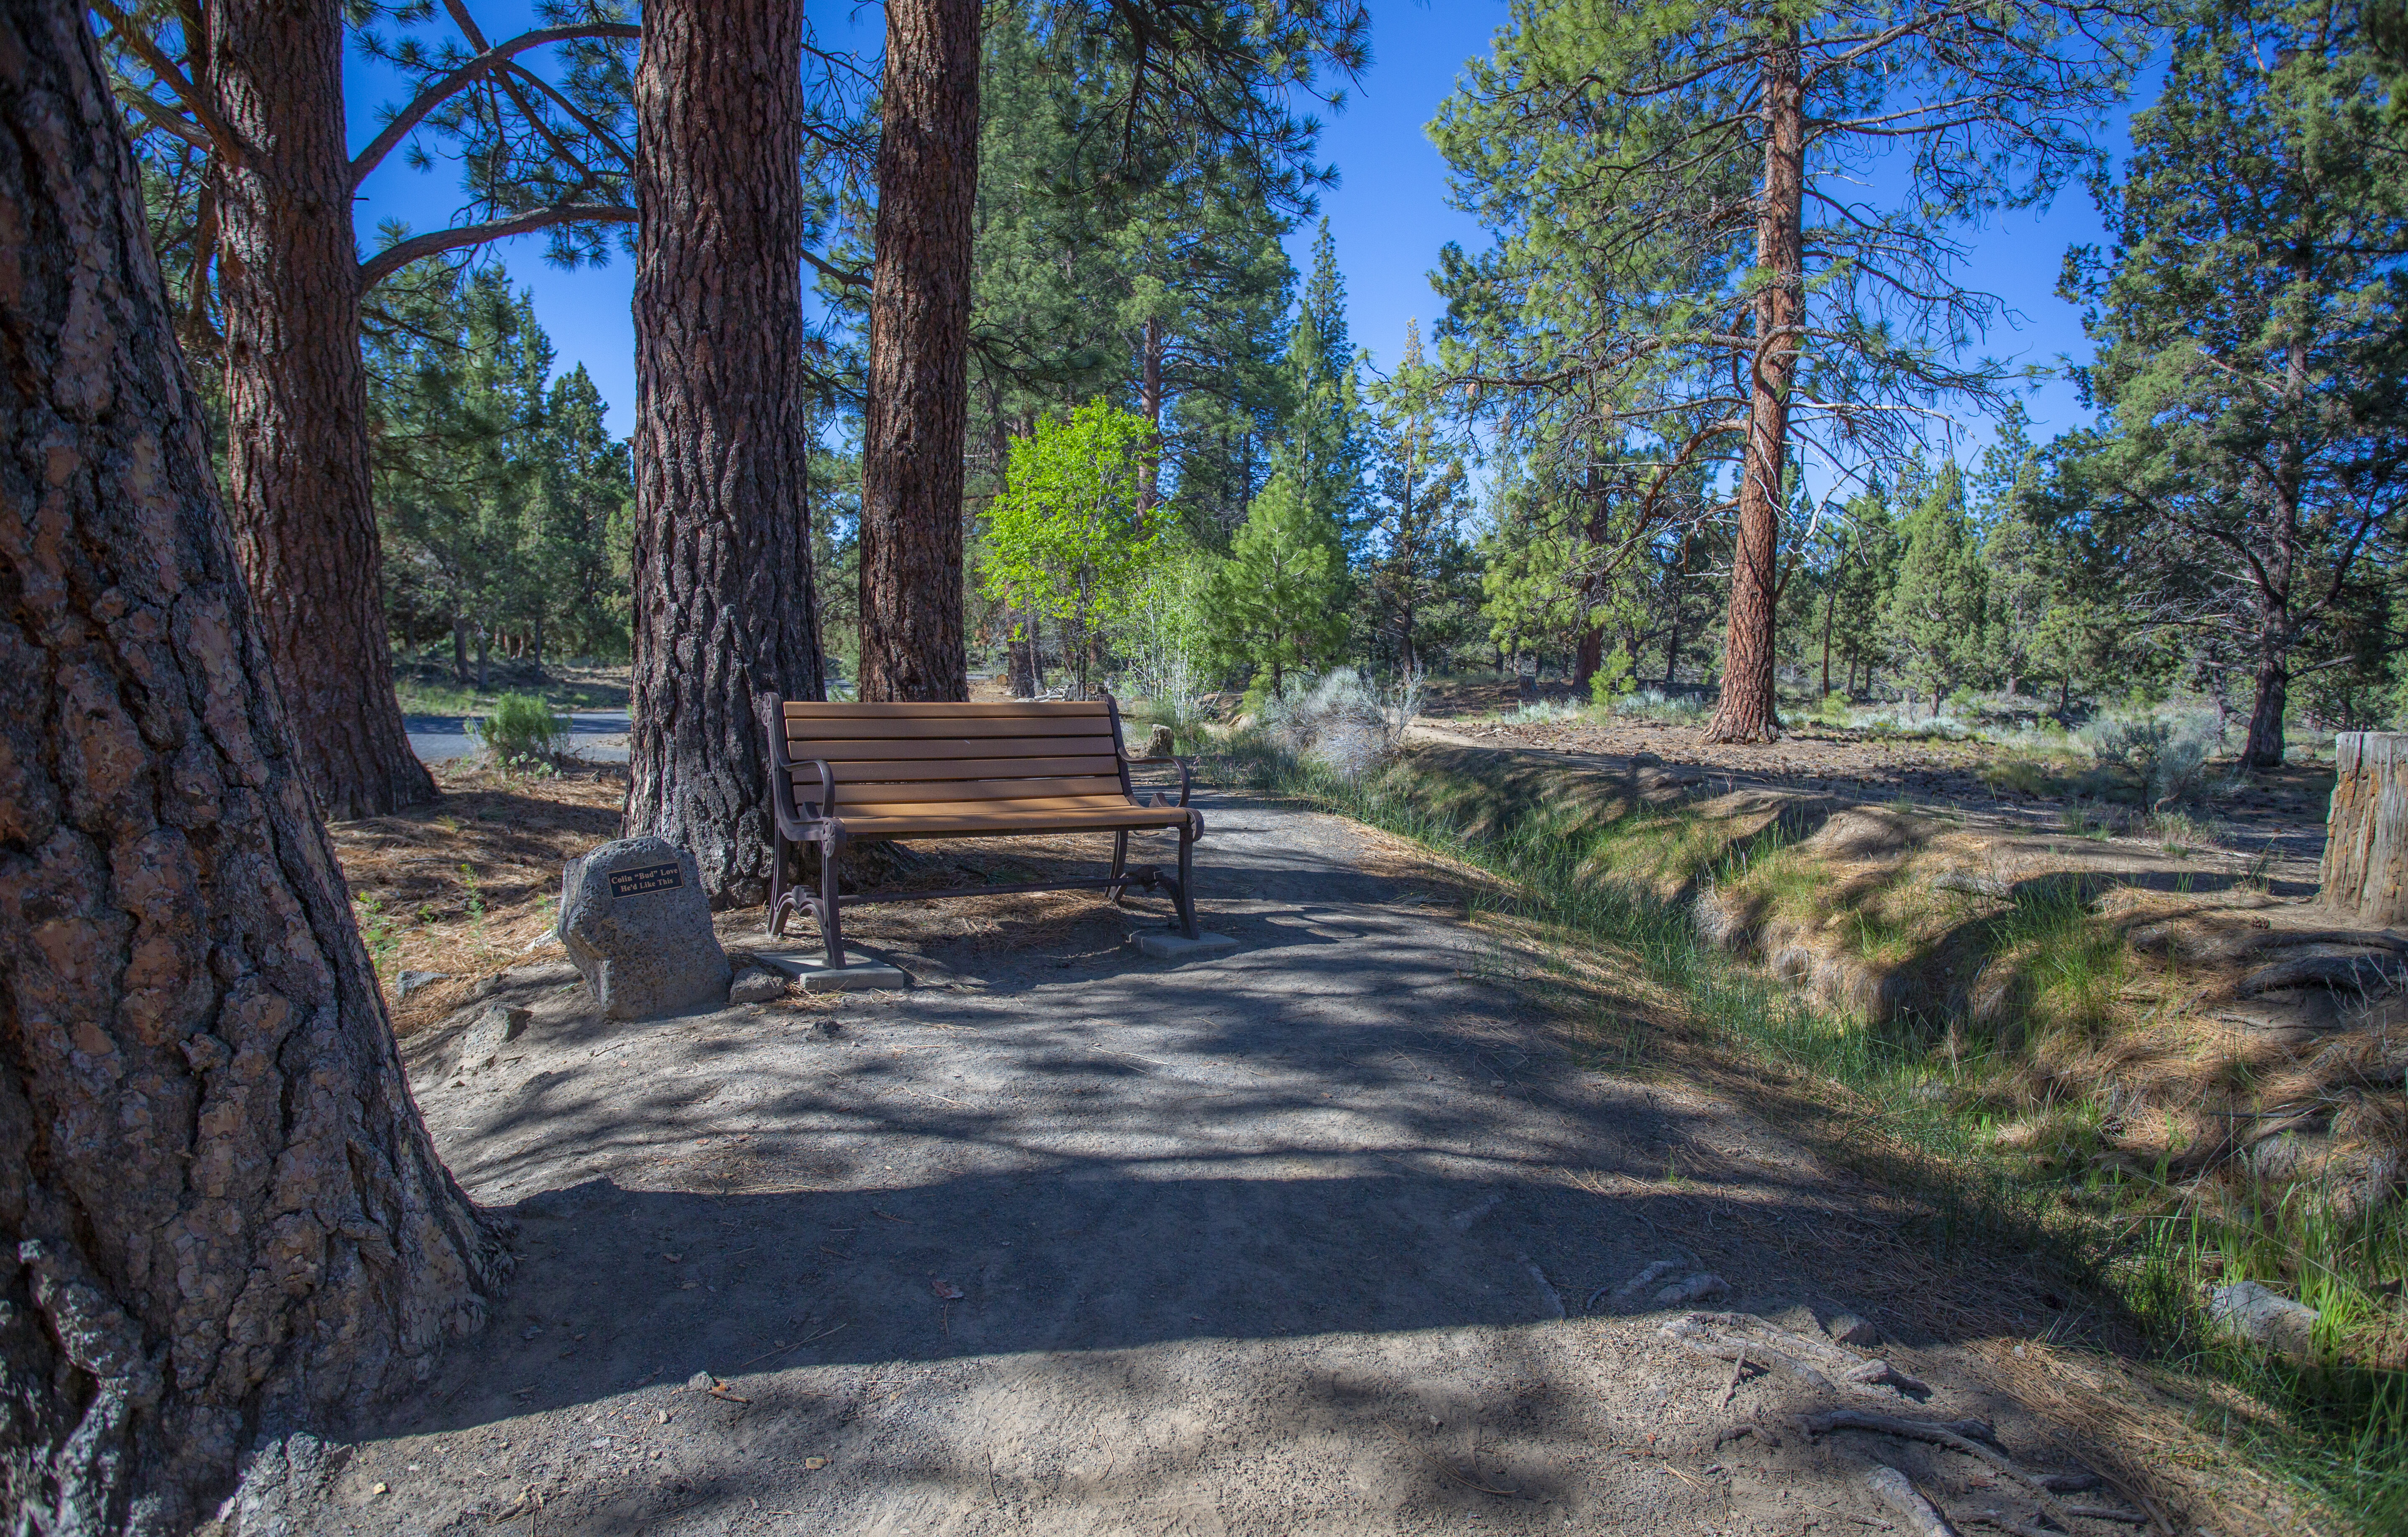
637	922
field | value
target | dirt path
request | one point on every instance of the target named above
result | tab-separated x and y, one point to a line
1064	1241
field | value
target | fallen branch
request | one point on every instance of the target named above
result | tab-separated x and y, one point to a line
1893	1488
1882	1425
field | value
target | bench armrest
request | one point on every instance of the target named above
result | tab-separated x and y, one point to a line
1185	786
782	767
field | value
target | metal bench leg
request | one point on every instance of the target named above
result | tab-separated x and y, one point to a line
1119	868
778	886
1185	895
831	926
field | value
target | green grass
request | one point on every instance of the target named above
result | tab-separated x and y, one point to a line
2338	1432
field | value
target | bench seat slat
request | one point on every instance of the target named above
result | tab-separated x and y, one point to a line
995	748
942	770
948	792
1019	709
907	729
958	821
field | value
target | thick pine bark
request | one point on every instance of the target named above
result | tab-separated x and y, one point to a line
725	610
1747	709
917	416
297	398
2365	875
220	1217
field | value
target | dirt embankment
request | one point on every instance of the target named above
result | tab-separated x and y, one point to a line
2117	1007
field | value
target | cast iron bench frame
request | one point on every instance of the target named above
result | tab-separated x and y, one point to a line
806	798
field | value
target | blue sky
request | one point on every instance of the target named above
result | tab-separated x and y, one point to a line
1388	216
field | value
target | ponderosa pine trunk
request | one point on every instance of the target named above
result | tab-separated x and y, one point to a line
2272	701
1747	710
917	417
220	1217
297	487
725	610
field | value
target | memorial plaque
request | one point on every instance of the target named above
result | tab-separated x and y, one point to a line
635	883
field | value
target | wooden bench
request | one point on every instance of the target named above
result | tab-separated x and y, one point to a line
866	773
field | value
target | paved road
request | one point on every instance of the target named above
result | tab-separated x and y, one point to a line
599	735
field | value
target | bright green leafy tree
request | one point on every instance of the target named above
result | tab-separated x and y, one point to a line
1072	536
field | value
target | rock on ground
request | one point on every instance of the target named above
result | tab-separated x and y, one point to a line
637	923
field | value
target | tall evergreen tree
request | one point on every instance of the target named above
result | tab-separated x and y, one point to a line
725	607
1857	605
2250	374
584	523
1322	445
1935	610
1694	166
222	1216
1279	601
1416	558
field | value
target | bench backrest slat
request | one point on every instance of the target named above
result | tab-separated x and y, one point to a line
927	753
1019	709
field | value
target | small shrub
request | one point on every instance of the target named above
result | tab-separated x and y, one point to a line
1653	704
1612	680
2016	774
376	930
1342	721
1542	713
2165	757
523	733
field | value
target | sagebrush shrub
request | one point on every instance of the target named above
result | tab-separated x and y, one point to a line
523	731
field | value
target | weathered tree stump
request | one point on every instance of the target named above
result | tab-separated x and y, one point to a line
2365	874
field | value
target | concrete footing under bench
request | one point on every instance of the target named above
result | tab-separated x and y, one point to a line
813	974
1171	945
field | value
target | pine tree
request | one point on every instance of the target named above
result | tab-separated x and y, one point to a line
1671	160
583	524
1279	601
2253	391
1416	555
1322	446
1857	603
456	368
1936	608
223	1217
2021	570
725	607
